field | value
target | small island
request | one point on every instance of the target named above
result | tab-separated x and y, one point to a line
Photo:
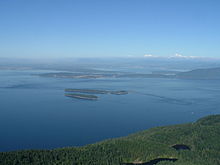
86	93
97	91
92	91
82	96
119	92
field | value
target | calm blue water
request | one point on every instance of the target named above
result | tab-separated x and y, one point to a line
34	114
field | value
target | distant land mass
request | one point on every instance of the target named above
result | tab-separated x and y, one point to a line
195	143
208	73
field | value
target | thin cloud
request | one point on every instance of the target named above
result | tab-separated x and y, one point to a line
182	56
150	56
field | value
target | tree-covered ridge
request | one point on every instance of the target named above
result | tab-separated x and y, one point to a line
203	138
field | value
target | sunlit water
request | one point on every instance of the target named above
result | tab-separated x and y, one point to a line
35	114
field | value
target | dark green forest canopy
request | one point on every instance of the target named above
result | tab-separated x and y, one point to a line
203	138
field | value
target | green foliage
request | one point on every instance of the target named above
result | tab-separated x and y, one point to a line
203	137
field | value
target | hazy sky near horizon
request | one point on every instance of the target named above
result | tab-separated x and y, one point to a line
109	28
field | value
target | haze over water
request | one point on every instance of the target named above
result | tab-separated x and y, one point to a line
35	114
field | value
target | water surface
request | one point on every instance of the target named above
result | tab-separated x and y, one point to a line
35	114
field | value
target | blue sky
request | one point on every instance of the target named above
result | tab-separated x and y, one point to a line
109	28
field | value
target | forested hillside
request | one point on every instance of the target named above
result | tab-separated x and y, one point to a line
201	137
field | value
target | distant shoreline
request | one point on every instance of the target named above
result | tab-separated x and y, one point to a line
197	74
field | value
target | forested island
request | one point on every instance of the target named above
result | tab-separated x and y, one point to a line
82	96
86	93
195	143
91	91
